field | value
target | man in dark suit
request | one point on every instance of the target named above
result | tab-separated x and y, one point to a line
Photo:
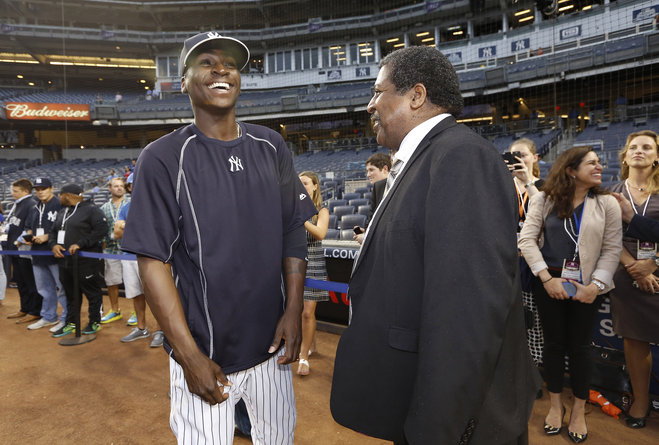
377	170
436	350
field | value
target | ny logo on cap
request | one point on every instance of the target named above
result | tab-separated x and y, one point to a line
213	35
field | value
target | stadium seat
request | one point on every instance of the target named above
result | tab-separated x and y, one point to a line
347	234
364	209
349	196
358	202
332	234
332	221
350	221
343	210
333	203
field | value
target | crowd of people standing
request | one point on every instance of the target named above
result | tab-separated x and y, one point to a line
50	229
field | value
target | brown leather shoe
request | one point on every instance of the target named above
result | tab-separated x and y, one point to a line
18	314
28	319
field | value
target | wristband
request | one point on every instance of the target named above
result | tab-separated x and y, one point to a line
547	280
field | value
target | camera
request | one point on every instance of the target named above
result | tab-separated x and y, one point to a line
511	158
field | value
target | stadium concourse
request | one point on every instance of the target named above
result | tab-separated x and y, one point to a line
107	392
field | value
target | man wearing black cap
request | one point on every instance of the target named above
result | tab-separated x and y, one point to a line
80	226
46	273
219	204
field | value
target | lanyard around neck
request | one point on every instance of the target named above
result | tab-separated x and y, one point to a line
647	201
65	219
577	222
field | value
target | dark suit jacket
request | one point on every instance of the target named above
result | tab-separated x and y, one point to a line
437	345
644	228
376	197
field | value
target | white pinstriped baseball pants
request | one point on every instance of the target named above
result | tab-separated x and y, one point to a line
267	390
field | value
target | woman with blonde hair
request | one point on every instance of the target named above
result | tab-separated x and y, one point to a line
634	302
526	176
316	230
572	241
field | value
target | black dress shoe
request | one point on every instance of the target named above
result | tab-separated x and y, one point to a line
554	430
637	422
576	437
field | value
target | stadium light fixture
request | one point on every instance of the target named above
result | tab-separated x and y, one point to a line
336	47
457	33
423	34
20	76
565	8
522	12
429	39
398	45
31	84
395	39
453	28
586	8
526	19
364	44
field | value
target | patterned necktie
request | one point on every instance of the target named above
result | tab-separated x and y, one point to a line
395	169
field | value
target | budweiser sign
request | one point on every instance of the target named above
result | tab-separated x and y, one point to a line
50	112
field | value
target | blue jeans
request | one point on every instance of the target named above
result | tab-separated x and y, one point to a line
46	278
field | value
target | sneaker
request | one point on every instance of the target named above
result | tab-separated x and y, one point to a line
91	328
65	330
136	334
111	316
132	321
158	338
57	327
40	324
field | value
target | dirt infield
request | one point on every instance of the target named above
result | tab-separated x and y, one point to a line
108	392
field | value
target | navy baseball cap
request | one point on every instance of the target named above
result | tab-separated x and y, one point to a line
213	39
42	182
74	189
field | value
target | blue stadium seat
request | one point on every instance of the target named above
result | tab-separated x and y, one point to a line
350	221
358	202
340	211
347	234
332	221
332	203
332	234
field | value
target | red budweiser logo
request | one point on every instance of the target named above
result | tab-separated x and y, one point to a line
52	112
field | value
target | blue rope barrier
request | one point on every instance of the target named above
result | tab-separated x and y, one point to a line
308	282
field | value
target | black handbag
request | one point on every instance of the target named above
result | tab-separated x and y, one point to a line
610	376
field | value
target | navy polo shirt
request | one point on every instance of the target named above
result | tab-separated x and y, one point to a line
217	211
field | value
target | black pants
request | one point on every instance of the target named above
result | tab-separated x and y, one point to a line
568	328
89	283
27	289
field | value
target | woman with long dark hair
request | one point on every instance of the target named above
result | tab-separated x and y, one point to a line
572	239
635	303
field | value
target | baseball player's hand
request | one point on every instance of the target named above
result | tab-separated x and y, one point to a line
205	378
289	328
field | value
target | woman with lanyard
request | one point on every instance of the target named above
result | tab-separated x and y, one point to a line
635	303
526	173
572	242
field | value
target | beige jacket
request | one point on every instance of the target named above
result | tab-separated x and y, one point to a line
600	240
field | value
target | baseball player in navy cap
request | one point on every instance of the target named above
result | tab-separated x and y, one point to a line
217	224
